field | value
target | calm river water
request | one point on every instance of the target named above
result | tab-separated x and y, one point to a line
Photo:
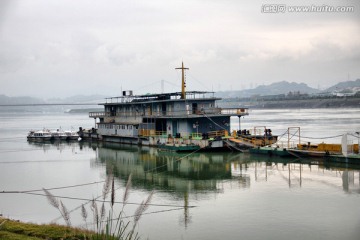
197	196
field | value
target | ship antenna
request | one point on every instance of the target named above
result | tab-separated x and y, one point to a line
183	86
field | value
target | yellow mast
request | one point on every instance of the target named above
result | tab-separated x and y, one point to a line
183	95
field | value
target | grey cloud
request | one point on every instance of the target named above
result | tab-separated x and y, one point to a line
96	45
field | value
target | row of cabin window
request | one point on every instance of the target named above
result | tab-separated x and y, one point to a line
158	108
116	126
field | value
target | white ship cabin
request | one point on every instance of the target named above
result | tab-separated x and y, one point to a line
180	115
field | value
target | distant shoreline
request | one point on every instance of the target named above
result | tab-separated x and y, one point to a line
261	103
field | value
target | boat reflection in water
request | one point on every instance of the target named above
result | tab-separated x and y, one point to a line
179	173
305	194
168	170
192	177
203	171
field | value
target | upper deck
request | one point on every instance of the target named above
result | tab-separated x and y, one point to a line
174	114
166	105
128	99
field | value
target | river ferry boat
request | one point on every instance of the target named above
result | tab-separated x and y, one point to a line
70	135
43	135
186	120
48	135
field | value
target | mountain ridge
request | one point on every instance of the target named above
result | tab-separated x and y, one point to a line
284	87
277	88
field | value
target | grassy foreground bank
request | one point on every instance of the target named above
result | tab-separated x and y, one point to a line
14	230
110	228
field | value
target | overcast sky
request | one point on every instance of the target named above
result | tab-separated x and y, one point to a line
61	48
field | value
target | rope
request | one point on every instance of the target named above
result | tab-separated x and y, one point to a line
321	137
351	134
233	146
22	150
214	122
55	188
201	83
124	217
87	199
151	170
336	136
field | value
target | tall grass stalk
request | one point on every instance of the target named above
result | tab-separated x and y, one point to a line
122	229
95	211
84	214
119	221
107	186
139	212
59	206
107	228
65	214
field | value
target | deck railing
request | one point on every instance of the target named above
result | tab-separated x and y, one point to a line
183	135
186	113
151	132
97	114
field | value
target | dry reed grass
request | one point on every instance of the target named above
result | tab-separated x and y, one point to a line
111	228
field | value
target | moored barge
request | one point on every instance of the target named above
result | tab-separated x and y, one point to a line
167	120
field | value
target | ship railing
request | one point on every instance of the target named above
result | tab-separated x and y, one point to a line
286	144
235	111
186	113
196	135
182	113
161	133
146	132
97	114
151	133
220	133
183	135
